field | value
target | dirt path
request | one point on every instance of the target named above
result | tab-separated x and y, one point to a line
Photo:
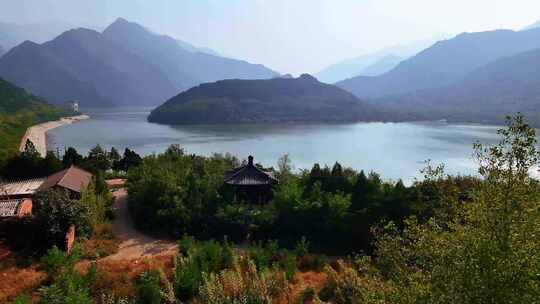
134	245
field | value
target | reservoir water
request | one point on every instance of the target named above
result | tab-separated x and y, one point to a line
394	150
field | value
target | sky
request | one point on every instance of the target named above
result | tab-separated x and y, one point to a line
290	36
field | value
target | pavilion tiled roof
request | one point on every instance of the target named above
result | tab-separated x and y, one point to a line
250	175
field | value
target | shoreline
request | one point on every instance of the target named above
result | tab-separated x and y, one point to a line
38	134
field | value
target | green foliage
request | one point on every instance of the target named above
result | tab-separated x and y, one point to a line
97	201
23	299
243	284
484	251
276	100
147	286
335	208
302	247
72	158
18	111
175	193
29	165
53	261
197	259
67	286
56	211
129	160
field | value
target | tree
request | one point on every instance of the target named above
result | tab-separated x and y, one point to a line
486	253
114	155
30	150
97	160
50	164
55	212
284	166
131	159
71	158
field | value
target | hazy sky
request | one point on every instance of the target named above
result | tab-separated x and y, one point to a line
287	35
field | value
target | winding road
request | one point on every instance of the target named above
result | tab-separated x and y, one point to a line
134	244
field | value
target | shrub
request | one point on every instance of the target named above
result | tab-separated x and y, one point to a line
55	212
23	299
196	259
53	262
302	247
243	285
147	286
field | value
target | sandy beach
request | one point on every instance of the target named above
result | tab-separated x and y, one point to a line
38	134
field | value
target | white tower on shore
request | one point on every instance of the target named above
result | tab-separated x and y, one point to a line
75	105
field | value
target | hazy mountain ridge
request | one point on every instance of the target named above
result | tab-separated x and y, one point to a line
381	66
353	67
12	34
444	63
184	68
489	93
302	99
82	65
126	64
195	49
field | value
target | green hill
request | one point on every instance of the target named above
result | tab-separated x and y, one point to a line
18	111
302	99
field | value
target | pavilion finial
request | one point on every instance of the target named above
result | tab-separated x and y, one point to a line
250	160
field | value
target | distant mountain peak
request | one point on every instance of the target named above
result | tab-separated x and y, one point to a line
308	77
120	20
122	24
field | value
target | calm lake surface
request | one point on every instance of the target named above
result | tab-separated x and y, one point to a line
395	150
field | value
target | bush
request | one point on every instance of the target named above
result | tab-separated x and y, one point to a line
175	193
55	212
54	261
147	286
196	259
68	286
243	285
23	299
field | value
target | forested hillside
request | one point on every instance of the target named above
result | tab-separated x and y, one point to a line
302	99
18	111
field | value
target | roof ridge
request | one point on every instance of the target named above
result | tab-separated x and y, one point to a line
23	180
238	170
64	175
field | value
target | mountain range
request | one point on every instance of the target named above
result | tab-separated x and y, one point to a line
381	66
489	93
185	69
362	65
12	34
479	77
125	64
444	63
302	99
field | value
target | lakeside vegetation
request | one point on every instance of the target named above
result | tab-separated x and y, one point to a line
444	239
332	208
18	111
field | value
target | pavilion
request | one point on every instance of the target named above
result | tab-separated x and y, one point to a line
251	183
